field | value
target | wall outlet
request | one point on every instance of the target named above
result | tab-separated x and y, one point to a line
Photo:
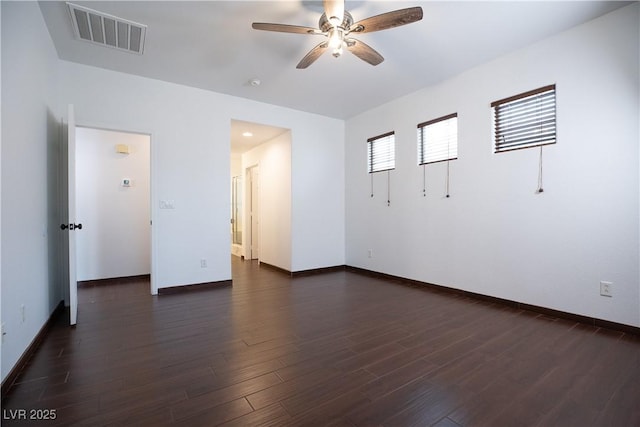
2	331
606	289
23	314
203	263
370	253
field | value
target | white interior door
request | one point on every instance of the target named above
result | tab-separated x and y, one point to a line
255	213
72	226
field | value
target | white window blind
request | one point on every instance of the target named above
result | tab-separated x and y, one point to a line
381	152
438	140
525	120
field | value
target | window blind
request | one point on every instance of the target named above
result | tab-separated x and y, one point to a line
381	152
525	120
438	140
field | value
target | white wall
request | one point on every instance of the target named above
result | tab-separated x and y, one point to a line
115	240
274	160
236	164
494	236
189	167
317	181
190	133
30	138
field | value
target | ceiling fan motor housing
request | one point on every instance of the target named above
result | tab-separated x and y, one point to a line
325	25
338	35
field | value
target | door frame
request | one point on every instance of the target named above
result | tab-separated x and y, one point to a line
68	203
152	196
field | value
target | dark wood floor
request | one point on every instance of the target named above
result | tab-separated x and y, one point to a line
337	349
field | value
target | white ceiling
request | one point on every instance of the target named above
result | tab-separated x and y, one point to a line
211	45
241	142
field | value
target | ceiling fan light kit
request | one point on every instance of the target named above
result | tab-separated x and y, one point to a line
336	24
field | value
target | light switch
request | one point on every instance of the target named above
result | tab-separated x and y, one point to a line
166	204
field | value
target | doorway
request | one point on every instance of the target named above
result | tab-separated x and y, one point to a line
113	202
261	161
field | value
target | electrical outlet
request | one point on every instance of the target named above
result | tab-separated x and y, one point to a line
203	263
23	314
606	289
370	253
2	331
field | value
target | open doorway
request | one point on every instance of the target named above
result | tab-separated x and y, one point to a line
113	202
261	193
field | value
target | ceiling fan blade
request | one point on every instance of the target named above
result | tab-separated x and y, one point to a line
334	9
364	51
313	54
284	28
388	20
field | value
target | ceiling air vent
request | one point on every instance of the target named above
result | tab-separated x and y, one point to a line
107	30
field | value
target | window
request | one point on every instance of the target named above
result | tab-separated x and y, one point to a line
381	152
525	120
438	140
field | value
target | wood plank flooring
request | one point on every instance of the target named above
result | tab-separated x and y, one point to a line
335	349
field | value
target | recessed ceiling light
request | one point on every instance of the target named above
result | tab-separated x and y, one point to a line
247	134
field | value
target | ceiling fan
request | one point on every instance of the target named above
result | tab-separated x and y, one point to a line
337	25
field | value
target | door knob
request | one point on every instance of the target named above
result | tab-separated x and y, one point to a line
71	226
